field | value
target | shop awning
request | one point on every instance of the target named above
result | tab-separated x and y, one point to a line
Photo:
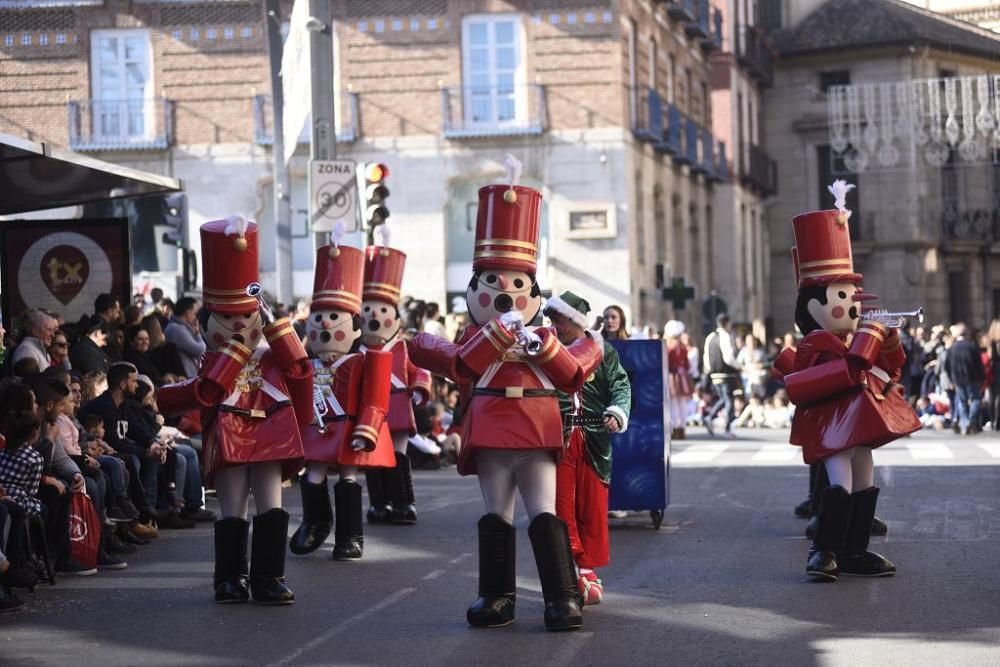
36	176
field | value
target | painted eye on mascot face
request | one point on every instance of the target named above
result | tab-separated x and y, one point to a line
368	309
490	278
842	294
318	319
333	316
518	283
385	310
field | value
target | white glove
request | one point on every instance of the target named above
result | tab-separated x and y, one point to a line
511	318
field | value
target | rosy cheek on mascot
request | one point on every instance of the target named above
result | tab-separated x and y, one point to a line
512	429
842	379
391	489
350	401
254	389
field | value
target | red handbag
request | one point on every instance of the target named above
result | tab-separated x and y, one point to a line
84	530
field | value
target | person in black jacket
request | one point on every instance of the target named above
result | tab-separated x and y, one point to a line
124	432
137	343
964	364
87	354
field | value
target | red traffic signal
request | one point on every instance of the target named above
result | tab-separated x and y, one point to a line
376	172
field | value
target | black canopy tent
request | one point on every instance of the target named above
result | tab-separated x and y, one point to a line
36	176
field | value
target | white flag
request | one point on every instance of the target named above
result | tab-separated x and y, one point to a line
296	78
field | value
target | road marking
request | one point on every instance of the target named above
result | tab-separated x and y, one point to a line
929	450
701	453
991	448
344	625
776	452
432	575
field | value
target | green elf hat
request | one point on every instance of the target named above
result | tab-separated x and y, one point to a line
570	306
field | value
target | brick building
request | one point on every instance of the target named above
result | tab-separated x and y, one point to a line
606	102
881	78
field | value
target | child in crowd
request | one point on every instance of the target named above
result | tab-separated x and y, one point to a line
752	415
113	467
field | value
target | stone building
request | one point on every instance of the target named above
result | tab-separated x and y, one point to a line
854	97
741	71
606	102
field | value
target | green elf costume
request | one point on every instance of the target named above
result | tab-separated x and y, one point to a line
600	408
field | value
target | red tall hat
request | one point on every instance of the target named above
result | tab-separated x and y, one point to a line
340	272
822	252
383	274
507	228
229	250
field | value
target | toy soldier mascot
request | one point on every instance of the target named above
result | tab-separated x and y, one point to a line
599	409
391	490
512	430
254	388
846	397
350	402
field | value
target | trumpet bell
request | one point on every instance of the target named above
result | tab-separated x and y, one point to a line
254	289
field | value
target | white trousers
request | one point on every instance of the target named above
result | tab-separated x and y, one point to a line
853	469
502	472
316	472
233	486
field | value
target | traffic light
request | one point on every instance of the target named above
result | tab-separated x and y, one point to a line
175	215
376	193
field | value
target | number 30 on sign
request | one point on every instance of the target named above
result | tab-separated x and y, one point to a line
333	194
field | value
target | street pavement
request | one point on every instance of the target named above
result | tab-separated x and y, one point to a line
721	583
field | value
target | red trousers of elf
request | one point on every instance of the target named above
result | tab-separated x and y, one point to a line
582	502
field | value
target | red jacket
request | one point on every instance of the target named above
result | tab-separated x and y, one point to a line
253	403
838	403
510	397
355	391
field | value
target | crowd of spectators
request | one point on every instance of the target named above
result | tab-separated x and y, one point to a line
78	414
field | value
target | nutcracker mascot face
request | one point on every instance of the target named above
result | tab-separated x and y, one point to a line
830	293
383	282
506	252
335	324
230	314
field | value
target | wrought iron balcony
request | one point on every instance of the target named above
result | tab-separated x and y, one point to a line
961	222
492	111
721	164
691	134
758	170
648	116
701	25
755	54
263	129
672	143
682	10
713	41
115	125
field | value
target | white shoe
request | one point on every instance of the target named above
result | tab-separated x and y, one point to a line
617	514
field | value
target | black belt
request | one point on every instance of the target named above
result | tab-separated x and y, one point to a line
398	390
338	418
255	414
583	420
525	393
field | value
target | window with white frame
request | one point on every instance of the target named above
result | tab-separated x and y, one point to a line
60	38
121	83
493	70
8	40
43	39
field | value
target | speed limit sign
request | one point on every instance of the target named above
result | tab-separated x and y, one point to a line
333	194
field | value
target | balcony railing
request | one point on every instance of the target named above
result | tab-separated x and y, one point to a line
682	10
673	142
263	128
759	170
492	111
701	25
113	125
755	54
648	116
962	222
713	41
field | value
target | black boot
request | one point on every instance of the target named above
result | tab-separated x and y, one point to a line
554	558
231	560
831	533
497	586
379	511
349	537
819	480
267	564
317	518
855	559
404	509
879	527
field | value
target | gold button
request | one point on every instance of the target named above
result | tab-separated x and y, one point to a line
514	392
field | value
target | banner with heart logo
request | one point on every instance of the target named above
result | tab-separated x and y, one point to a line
62	265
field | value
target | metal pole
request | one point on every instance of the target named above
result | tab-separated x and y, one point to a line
282	198
324	140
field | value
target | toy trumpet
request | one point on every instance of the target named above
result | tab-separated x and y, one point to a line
256	291
894	320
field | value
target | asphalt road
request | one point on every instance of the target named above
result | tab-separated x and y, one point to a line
721	583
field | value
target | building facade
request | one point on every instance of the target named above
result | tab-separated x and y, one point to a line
873	107
741	71
607	103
